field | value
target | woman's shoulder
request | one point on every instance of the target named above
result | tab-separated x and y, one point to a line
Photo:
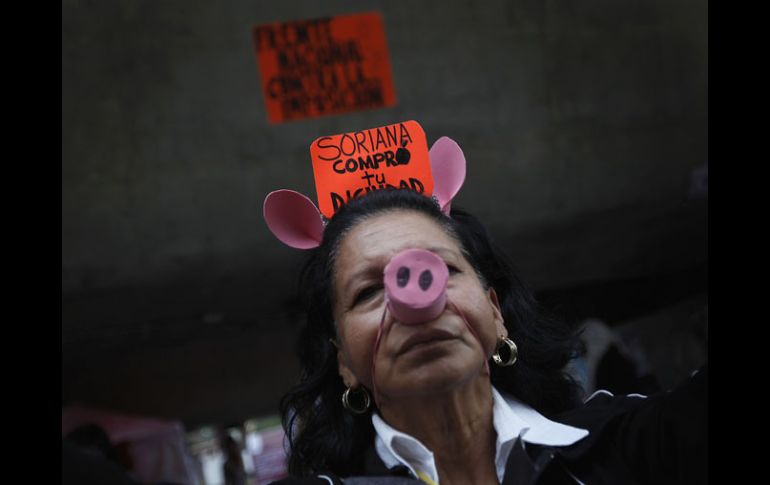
659	437
692	393
317	480
331	479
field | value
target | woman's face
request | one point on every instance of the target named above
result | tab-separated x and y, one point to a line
424	358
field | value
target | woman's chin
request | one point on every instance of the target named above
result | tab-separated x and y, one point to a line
430	377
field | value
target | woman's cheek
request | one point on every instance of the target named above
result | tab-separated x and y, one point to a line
361	341
482	318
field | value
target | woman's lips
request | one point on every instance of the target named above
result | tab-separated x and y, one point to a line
423	337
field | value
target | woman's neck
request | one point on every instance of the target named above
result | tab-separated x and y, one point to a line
456	426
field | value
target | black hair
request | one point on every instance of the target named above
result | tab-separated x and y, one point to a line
321	434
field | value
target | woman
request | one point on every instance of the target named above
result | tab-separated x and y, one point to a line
379	397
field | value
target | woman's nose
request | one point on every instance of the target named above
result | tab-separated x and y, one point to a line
415	283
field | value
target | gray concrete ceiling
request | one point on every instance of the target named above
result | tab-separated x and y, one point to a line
584	126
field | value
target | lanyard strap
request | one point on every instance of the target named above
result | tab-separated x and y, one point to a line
425	478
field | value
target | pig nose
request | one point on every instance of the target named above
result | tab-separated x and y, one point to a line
415	283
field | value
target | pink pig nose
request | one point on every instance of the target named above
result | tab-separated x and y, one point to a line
415	283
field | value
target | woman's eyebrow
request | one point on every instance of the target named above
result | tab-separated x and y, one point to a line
444	252
370	271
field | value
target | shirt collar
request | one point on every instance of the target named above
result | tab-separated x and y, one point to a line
511	419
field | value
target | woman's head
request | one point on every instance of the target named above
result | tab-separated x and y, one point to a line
411	360
342	287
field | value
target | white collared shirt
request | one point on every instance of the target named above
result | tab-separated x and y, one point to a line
511	419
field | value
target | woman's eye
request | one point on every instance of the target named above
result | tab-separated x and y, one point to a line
366	293
452	269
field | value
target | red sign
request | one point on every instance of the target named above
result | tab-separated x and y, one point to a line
324	66
352	164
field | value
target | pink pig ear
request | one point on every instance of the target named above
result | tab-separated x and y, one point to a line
293	219
447	163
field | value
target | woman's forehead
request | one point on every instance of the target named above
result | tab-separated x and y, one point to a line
388	233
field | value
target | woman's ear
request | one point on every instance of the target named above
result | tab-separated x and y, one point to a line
348	377
498	314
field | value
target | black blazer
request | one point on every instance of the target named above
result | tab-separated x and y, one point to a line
660	440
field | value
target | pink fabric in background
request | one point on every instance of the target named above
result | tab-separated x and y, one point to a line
157	447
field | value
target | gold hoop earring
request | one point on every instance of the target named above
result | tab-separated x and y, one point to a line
513	350
355	410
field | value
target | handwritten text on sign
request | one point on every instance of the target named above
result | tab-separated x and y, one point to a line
352	164
324	66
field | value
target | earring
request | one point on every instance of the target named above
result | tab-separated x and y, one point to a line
514	353
346	401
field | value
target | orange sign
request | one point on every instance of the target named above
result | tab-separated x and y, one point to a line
323	66
352	164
